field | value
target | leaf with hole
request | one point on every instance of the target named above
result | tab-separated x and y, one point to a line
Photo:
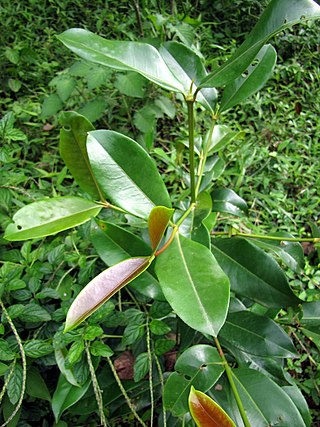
102	287
126	173
278	16
50	216
199	366
226	200
206	412
254	78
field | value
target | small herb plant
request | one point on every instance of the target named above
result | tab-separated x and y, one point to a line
228	297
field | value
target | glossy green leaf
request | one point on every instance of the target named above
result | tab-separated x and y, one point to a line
254	78
15	384
3	368
206	412
61	358
66	395
202	209
299	401
188	68
226	200
312	336
222	135
278	16
214	168
291	253
158	222
102	287
199	366
253	273
126	173
311	314
141	366
257	335
36	386
37	348
278	409
194	285
115	244
121	55
73	137
50	216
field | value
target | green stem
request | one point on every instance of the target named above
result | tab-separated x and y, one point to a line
204	156
162	388
150	373
24	365
261	236
232	384
96	388
124	393
190	104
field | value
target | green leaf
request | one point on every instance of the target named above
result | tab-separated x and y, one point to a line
299	401
253	273
131	84
66	395
75	353
257	335
15	384
158	327
222	135
141	366
188	68
277	409
157	223
199	366
73	137
37	348
312	336
98	348
3	368
194	285
94	109
254	78
278	16
34	313
91	332
121	55
61	359
50	216
206	412
5	351
126	173
225	200
291	253
163	345
115	244
51	105
311	314
36	386
102	287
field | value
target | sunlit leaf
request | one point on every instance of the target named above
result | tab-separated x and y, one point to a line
126	173
253	79
50	216
121	55
102	287
194	284
206	412
278	16
226	200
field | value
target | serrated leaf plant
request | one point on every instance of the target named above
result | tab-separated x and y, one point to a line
225	294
